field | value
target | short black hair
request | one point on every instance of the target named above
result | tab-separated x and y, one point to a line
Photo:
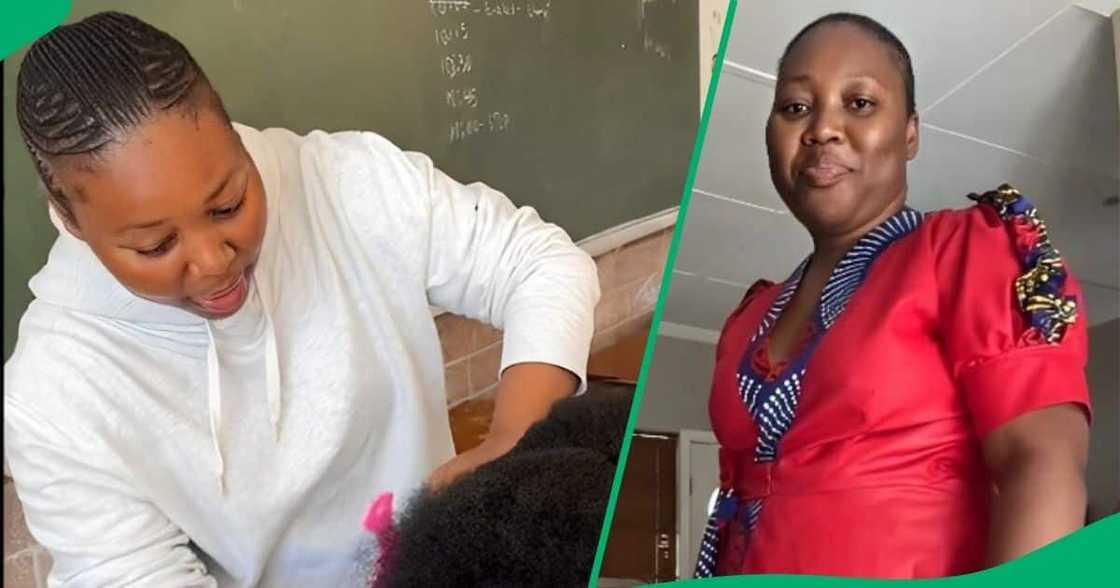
876	30
86	85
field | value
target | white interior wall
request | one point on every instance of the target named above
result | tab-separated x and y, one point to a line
676	390
1103	371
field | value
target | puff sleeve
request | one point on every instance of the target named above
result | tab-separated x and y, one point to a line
1012	316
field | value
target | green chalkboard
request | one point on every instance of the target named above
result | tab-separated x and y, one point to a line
584	109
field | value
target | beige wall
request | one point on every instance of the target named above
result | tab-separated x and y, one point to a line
676	391
1103	472
1116	41
713	13
1104	381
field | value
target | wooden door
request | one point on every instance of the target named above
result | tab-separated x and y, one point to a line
642	544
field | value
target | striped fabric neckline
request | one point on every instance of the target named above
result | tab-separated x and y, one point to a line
773	404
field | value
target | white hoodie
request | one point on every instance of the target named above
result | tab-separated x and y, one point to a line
153	448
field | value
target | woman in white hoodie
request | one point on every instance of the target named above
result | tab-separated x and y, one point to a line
231	349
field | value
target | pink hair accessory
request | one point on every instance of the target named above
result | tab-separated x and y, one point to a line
379	522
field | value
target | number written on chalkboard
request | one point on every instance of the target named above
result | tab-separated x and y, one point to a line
495	122
447	35
453	24
462	98
457	64
531	9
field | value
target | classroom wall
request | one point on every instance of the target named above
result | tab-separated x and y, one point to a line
713	13
1103	476
1116	42
1103	472
676	390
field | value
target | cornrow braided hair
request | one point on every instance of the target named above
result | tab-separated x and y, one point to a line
877	31
86	85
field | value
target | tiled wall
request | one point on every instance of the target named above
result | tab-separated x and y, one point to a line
629	277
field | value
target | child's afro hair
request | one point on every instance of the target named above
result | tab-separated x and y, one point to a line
529	518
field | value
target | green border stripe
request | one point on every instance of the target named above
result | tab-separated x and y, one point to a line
1088	557
23	21
670	261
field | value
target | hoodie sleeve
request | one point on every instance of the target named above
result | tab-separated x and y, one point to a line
481	256
504	265
96	530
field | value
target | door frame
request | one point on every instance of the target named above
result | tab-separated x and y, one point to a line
687	438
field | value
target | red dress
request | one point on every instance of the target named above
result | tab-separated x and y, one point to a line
862	456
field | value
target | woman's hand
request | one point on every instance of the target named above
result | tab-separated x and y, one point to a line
525	394
490	449
1038	464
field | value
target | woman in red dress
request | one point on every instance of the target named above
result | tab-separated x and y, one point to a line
911	402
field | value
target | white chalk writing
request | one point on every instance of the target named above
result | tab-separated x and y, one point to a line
455	34
457	64
448	35
530	9
495	122
462	97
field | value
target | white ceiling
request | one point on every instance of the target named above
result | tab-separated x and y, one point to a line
1103	7
1023	92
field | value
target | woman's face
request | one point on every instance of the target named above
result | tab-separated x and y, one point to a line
176	212
839	135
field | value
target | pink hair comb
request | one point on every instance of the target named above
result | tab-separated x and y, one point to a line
379	522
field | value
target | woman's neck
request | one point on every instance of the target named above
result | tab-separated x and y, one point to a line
829	249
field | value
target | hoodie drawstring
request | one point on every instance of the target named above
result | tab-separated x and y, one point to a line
271	365
214	385
214	388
